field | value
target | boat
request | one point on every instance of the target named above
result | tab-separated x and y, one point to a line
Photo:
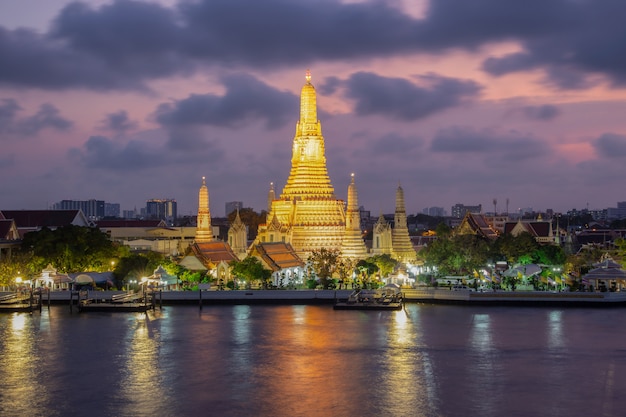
131	302
386	298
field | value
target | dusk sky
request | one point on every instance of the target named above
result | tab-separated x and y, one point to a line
459	101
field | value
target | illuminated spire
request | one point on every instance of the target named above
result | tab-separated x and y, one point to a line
352	245
204	231
402	247
271	196
307	212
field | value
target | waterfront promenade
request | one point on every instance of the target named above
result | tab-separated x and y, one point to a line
427	295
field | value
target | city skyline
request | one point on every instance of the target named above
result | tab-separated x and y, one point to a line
128	101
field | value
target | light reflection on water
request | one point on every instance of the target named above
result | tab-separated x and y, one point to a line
439	361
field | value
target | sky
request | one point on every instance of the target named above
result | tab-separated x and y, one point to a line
457	101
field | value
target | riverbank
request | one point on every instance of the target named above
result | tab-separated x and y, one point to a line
428	295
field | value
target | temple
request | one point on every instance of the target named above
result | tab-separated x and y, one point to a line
304	218
307	214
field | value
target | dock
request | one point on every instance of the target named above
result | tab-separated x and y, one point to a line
20	302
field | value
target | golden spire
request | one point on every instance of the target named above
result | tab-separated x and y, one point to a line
204	232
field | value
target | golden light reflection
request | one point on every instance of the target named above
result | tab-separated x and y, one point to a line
409	377
482	367
555	329
19	365
142	384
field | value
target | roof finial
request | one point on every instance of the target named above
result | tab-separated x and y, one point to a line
308	75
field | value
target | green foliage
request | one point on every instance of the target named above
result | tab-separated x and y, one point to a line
19	265
457	254
71	249
384	263
516	249
324	263
251	269
138	265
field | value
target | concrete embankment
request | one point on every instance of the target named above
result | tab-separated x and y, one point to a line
428	295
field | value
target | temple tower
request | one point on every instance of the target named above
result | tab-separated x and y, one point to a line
402	247
271	196
238	237
204	231
381	237
353	245
307	214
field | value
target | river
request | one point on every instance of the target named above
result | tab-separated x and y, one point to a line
427	360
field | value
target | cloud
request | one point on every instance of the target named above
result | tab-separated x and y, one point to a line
587	39
542	113
99	152
125	44
511	146
394	144
47	117
400	99
246	100
610	145
118	122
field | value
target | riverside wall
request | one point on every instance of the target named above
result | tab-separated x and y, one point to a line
426	295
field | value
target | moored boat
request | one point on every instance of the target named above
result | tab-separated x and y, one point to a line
388	298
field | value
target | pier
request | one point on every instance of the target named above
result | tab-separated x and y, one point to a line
20	301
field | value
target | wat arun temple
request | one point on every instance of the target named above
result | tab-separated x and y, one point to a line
307	216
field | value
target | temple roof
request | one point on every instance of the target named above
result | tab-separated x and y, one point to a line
474	223
278	255
213	252
33	219
535	228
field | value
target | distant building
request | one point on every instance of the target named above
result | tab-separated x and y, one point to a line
233	206
92	209
458	210
163	209
434	211
111	210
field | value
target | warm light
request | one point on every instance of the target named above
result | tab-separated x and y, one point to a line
144	279
18	280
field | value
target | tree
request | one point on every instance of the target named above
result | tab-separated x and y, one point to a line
457	254
324	263
18	265
136	266
385	263
251	269
71	249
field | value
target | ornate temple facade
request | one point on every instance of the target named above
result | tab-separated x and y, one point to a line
394	241
307	214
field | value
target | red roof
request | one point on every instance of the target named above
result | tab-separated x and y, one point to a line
214	252
34	219
278	255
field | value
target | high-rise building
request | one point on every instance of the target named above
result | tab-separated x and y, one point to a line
459	210
164	209
92	209
111	210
